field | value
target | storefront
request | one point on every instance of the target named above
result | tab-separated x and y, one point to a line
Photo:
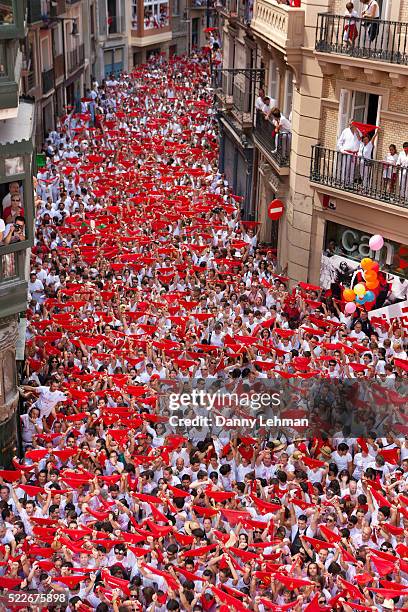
343	249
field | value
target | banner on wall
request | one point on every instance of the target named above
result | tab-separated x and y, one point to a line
389	313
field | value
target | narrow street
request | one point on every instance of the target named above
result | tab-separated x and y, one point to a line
199	432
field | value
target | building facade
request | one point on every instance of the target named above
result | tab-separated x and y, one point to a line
56	67
323	79
109	38
236	84
17	131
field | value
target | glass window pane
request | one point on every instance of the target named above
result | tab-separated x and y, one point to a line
14	165
9	373
6	12
3	61
8	266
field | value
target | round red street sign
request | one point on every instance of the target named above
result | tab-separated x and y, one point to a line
275	209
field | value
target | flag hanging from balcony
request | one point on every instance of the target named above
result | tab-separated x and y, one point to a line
365	128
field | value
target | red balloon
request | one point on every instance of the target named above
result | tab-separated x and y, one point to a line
276	209
375	267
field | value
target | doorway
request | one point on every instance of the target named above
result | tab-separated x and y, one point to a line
358	106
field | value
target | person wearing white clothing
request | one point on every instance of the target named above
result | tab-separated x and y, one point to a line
48	397
348	145
365	154
402	161
283	129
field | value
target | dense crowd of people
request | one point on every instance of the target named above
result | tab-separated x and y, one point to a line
145	282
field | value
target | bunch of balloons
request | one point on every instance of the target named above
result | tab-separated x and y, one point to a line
364	292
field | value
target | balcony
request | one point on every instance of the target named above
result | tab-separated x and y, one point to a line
377	40
245	12
235	90
58	7
47	81
116	25
279	25
30	81
277	147
202	4
228	8
59	66
373	179
76	58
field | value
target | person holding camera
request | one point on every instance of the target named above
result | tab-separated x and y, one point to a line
14	232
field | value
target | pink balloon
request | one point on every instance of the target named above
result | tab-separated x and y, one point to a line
376	242
350	307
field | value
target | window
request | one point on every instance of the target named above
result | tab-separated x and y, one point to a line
9	373
8	266
57	40
195	26
13	165
287	110
176	7
12	223
6	12
273	83
358	106
45	54
3	60
156	14
134	14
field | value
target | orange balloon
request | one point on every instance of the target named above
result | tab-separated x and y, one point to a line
349	295
372	284
370	275
366	263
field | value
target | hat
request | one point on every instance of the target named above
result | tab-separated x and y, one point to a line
326	451
388	604
189	526
277	445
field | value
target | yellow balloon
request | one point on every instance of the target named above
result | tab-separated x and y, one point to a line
359	290
366	263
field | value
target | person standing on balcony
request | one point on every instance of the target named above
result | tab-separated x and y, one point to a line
390	173
365	154
370	16
350	31
282	127
402	161
348	146
260	101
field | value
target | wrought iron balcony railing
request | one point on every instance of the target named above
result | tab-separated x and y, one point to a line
76	58
47	80
236	89
378	180
276	144
375	39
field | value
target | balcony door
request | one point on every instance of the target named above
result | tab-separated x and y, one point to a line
358	106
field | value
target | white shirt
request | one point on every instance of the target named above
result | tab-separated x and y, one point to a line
348	141
402	159
48	399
